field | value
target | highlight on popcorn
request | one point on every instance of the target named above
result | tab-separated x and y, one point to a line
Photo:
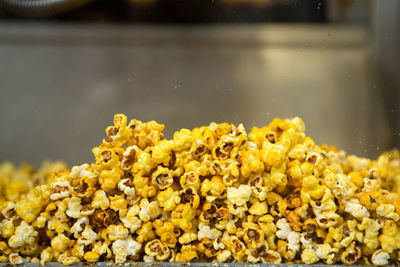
211	194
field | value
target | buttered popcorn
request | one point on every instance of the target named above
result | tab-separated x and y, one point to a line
211	194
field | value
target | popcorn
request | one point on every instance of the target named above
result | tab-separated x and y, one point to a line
74	207
60	190
239	196
387	211
24	235
357	210
100	200
15	258
126	186
123	248
206	232
214	193
380	257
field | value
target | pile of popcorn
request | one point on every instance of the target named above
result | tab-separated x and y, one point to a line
213	194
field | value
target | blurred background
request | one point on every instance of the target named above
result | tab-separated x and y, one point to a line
66	66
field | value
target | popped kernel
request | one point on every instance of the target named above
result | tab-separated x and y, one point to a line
213	194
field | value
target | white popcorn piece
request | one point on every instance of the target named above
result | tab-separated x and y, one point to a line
88	236
24	235
15	258
380	257
125	247
79	225
74	207
123	185
387	211
60	190
284	228
82	171
371	185
240	195
344	188
206	232
293	241
355	209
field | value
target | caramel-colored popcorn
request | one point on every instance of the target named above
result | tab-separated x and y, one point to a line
214	193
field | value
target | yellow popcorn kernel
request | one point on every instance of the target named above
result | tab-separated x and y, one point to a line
205	231
161	153
351	254
186	238
168	199
182	139
59	190
145	233
206	247
278	178
188	253
273	155
60	243
106	158
297	152
311	189
356	179
157	249
371	228
118	134
162	178
237	248
91	256
189	195
277	204
116	232
355	209
130	156
24	234
143	188
85	188
253	237
78	250
266	224
390	237
46	255
109	179
119	203
307	168
309	256
123	248
67	259
224	256
143	165
190	179
6	228
169	239
258	208
74	207
29	207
